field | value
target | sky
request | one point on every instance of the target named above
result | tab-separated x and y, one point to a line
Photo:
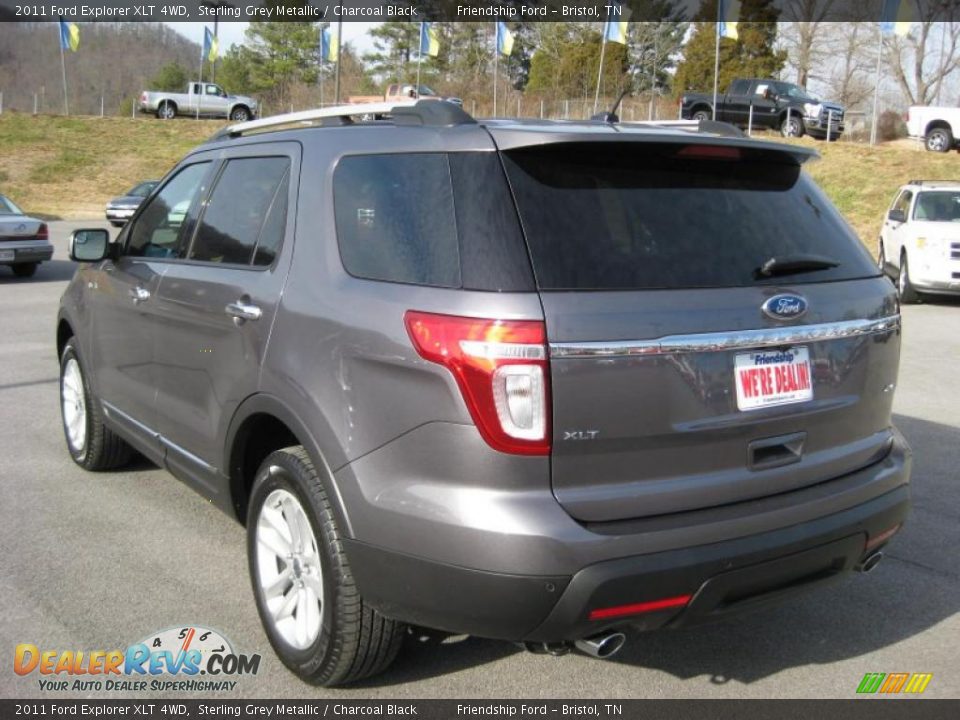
231	33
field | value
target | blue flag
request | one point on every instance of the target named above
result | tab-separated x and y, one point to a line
69	36
211	46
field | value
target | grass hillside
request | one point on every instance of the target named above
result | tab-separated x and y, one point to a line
70	167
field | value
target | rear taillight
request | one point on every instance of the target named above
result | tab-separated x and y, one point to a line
42	232
502	371
619	611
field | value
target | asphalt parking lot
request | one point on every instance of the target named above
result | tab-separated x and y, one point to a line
101	561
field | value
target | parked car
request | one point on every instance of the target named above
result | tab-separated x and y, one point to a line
120	209
484	377
920	239
24	240
938	127
213	102
398	92
776	105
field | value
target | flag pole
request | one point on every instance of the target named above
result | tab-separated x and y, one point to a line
419	58
876	88
716	59
339	56
496	63
200	87
63	69
603	50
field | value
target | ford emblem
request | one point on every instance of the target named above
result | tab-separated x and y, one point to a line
785	307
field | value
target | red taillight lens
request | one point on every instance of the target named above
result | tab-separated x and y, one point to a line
42	232
502	370
640	608
708	152
881	538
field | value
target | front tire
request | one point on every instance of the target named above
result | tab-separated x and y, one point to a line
904	286
92	445
24	270
311	610
882	259
792	126
939	140
240	114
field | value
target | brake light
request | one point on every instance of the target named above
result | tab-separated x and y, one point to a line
881	538
42	232
710	152
640	608
501	369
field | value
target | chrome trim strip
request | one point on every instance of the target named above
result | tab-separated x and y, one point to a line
723	341
113	410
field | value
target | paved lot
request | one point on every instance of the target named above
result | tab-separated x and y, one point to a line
100	561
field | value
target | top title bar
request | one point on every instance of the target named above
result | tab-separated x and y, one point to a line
460	11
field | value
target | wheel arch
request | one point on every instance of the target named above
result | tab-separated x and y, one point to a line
239	105
705	106
64	333
938	124
262	424
168	101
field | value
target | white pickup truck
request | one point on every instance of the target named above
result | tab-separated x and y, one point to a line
938	126
211	100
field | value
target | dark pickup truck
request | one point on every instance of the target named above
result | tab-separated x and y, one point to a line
775	105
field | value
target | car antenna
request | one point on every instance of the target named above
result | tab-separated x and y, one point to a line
611	116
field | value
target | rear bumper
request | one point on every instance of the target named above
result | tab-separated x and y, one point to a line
120	214
938	287
720	577
25	251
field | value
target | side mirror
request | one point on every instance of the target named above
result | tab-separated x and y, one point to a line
897	216
89	245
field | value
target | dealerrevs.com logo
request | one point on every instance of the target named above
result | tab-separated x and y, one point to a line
182	659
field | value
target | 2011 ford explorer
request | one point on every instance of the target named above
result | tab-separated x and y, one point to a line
531	381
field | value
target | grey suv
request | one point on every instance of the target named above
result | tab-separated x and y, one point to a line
531	381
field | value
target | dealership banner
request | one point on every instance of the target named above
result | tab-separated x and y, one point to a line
442	10
447	709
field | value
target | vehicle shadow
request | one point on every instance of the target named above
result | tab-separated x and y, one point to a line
49	271
911	592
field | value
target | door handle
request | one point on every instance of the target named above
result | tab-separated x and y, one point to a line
241	311
139	294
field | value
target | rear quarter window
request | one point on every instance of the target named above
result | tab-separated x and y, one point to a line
611	216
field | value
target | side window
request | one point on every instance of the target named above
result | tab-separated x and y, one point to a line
395	218
213	90
903	202
157	230
243	203
740	87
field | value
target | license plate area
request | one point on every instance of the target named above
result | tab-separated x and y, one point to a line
8	254
768	378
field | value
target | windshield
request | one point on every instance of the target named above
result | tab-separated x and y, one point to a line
8	208
642	216
425	91
143	189
795	91
939	206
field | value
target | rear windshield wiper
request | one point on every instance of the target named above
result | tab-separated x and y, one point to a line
794	264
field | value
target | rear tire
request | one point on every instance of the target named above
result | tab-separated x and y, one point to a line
939	140
701	115
166	111
92	445
24	270
904	286
311	610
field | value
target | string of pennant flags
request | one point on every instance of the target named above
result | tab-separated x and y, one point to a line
897	18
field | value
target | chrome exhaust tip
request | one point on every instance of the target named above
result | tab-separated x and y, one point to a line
870	562
602	646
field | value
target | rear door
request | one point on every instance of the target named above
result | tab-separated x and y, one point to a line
217	305
673	389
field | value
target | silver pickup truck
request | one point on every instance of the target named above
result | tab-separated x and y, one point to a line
212	100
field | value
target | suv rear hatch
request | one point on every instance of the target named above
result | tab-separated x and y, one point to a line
672	389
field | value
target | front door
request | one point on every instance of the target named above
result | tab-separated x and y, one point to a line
217	305
125	292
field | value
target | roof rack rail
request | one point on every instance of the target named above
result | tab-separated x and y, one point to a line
422	112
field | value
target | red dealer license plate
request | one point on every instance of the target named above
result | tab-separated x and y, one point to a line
774	377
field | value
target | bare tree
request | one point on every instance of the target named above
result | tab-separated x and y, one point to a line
853	48
918	68
800	36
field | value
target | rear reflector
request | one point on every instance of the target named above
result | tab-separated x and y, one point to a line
875	540
709	152
43	233
640	608
502	371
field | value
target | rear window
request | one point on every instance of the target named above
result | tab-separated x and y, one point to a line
615	217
